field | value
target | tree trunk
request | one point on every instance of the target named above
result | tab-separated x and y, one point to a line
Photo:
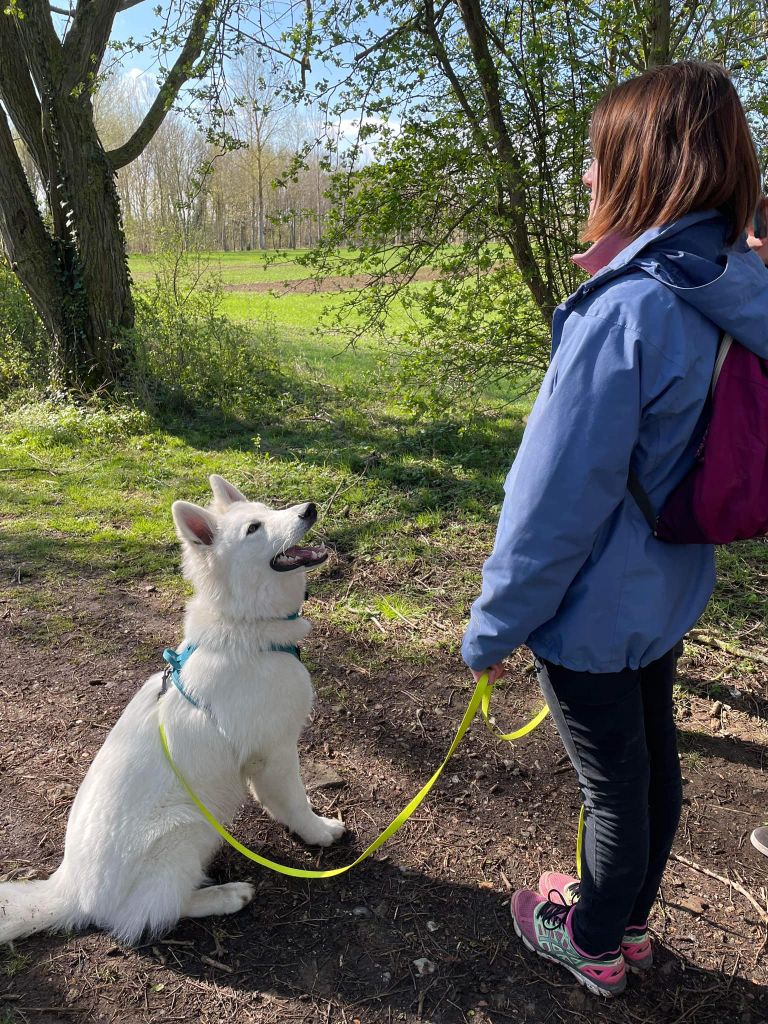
76	276
74	268
73	263
99	270
262	226
659	34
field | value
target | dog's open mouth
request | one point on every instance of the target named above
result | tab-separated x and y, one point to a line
299	558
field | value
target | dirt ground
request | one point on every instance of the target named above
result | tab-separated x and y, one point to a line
306	286
421	932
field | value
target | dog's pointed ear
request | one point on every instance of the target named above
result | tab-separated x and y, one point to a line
194	524
224	492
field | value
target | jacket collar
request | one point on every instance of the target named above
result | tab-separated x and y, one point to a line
625	257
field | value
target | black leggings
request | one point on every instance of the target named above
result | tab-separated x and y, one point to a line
619	731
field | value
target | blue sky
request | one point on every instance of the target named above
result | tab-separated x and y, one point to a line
138	22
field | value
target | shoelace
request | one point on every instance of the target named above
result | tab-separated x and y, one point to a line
553	915
575	888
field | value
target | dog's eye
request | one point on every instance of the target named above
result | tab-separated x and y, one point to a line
252	528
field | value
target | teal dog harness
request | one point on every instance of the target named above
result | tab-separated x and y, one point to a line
177	659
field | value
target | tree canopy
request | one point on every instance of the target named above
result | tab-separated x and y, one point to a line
478	112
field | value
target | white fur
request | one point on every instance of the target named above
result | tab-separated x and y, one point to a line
136	847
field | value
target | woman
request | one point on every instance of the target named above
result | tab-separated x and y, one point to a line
575	572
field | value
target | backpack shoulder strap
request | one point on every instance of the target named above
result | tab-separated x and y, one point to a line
723	349
640	495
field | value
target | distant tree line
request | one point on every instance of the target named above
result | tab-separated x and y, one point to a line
252	194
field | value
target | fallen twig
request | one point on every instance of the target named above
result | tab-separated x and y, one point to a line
691	1010
726	881
53	1009
217	964
699	637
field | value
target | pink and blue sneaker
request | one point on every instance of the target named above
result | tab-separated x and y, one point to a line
545	928
636	944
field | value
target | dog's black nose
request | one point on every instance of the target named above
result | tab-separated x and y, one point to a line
310	512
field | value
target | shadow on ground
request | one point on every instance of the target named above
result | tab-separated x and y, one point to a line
384	945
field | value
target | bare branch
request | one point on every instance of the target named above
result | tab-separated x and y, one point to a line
683	25
180	73
430	30
263	44
305	63
389	37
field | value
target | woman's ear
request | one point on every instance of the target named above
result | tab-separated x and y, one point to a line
195	525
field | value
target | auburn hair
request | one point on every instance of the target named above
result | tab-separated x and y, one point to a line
669	142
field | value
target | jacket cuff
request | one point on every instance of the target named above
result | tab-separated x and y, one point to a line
473	655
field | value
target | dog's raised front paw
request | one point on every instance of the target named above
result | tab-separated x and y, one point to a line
322	831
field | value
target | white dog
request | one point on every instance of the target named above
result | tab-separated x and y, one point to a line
136	846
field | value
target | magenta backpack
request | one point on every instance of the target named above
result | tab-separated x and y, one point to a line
724	497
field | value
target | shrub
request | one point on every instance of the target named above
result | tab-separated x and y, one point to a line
62	419
23	345
189	355
470	341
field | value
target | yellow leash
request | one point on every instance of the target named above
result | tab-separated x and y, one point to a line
518	734
480	699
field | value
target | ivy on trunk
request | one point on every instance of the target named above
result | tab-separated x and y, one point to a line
66	244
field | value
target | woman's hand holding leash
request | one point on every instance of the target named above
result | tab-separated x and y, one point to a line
494	673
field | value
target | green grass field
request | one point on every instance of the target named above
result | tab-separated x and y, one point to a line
299	309
235	267
244	267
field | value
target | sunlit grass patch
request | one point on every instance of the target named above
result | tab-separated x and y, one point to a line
305	310
12	962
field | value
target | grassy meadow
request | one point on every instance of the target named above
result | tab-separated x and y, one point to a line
86	492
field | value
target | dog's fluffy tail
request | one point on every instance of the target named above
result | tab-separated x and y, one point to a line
28	907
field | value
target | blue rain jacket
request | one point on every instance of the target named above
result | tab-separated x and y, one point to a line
575	572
